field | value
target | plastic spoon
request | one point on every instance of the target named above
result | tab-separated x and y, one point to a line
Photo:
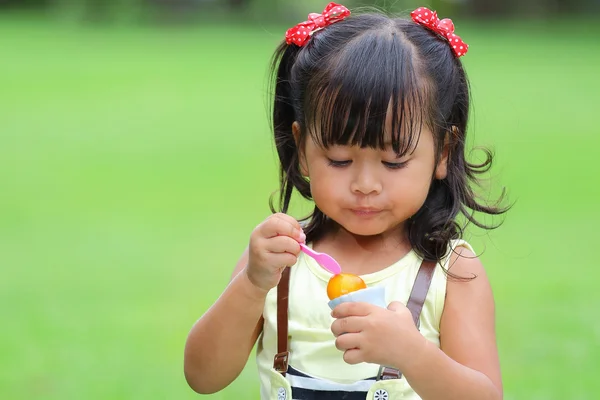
325	260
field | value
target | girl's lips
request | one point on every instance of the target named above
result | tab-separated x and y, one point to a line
366	212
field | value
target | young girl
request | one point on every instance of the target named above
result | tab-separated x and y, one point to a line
370	118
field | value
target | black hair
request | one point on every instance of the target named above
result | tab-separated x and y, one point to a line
339	87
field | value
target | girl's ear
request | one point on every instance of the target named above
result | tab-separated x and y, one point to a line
301	157
441	170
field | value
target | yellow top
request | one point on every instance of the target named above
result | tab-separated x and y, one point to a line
312	345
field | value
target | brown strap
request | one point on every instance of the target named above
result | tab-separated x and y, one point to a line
419	291
415	303
280	363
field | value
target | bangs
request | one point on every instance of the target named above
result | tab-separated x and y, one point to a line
368	98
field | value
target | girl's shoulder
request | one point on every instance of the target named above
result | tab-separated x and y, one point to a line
457	249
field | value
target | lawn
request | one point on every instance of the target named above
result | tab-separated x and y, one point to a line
135	162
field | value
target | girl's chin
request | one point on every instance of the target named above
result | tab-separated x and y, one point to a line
364	228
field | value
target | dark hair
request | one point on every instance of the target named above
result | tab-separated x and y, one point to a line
339	87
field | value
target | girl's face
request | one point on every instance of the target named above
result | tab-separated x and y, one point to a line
370	191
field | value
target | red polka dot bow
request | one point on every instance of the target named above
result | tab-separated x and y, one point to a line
300	33
445	27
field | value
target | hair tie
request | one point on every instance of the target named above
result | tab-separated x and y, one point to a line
300	33
429	19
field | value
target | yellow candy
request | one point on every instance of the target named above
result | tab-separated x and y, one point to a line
342	284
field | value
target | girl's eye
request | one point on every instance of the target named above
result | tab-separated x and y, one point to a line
396	165
335	163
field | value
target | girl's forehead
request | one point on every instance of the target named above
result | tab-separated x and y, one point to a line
396	126
422	145
403	142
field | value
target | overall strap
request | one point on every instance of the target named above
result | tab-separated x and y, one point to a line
415	304
419	291
280	363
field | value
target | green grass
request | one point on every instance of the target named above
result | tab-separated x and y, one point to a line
134	164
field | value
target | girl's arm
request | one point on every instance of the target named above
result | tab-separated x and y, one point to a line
220	342
467	367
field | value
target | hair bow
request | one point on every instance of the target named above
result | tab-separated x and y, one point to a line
300	33
445	28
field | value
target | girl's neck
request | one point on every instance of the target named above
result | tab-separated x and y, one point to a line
362	255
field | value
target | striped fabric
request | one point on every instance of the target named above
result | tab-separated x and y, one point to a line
306	387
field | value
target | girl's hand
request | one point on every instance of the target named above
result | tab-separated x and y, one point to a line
274	245
368	333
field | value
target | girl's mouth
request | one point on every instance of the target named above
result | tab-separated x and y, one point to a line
366	212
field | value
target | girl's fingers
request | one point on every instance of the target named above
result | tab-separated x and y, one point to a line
282	225
347	341
347	325
353	356
352	308
282	259
282	244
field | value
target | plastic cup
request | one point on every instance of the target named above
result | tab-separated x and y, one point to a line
373	295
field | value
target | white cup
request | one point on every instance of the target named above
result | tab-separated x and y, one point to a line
373	295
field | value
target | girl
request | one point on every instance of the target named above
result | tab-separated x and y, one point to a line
370	118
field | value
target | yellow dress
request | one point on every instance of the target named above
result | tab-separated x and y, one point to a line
316	367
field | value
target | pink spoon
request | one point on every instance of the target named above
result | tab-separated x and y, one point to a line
325	260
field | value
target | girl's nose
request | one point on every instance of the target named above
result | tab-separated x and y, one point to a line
366	182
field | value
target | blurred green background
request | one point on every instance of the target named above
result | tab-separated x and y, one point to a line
136	158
